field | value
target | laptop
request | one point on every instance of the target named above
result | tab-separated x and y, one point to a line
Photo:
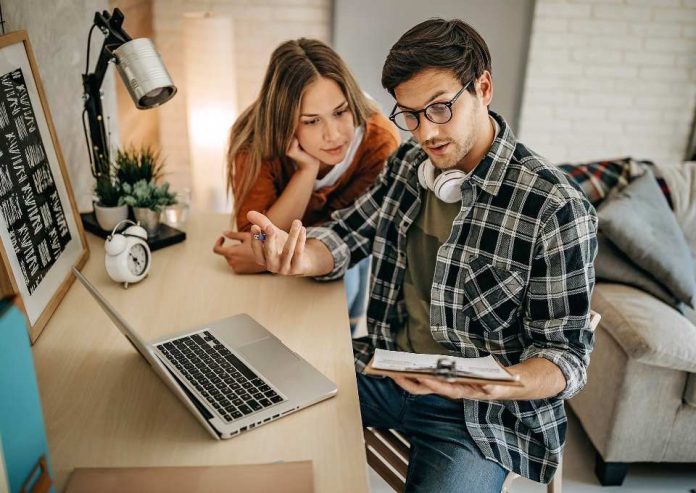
233	374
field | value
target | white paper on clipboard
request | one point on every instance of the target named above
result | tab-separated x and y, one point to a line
486	367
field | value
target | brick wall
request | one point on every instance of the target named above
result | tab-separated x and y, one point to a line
259	27
608	78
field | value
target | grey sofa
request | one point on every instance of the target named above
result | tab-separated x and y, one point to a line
639	404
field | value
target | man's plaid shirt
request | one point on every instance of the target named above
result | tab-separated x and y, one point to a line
513	280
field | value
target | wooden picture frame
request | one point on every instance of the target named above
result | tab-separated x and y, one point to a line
41	236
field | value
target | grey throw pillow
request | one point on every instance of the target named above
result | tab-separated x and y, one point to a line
613	265
638	220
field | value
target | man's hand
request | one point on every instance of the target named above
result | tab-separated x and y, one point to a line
540	377
429	385
240	256
279	252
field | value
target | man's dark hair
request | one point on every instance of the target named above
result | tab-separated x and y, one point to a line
437	43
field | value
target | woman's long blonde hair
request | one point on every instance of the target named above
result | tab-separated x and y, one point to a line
265	129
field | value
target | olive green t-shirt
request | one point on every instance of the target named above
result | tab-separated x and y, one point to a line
431	229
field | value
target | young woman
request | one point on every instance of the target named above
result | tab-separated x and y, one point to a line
310	144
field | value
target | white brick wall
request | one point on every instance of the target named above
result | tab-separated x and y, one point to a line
259	27
609	78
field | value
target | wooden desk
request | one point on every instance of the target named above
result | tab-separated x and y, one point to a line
103	406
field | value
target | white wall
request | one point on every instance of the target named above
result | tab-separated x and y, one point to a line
259	27
609	78
365	30
58	34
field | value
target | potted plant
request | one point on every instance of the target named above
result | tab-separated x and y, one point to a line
133	165
147	200
109	208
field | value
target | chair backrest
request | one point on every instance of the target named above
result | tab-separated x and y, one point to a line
387	454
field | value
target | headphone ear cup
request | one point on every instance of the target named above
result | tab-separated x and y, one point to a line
448	185
426	174
115	244
421	176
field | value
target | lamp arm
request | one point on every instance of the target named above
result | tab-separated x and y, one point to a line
111	26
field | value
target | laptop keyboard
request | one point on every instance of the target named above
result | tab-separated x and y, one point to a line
231	387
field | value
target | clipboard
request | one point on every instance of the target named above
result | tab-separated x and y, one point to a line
446	372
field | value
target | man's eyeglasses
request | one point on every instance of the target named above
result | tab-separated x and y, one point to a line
436	112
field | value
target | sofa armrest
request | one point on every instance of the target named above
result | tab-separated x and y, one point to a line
649	330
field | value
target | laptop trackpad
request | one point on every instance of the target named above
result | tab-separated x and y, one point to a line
273	359
240	330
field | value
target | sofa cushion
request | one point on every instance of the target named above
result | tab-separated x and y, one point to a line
681	180
646	328
638	220
612	265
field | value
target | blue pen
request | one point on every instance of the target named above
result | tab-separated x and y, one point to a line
260	236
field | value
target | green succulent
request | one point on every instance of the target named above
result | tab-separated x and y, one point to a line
133	165
147	194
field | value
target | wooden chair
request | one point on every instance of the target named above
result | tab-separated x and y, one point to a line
388	452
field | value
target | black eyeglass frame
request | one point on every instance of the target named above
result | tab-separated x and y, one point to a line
416	113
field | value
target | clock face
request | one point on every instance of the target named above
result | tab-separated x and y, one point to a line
137	259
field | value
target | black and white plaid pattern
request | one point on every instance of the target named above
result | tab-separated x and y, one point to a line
513	280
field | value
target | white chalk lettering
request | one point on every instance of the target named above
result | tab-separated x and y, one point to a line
13	239
11	210
34	154
32	209
42	179
16	157
5	181
60	215
27	112
4	117
13	102
27	249
21	128
55	244
44	254
46	215
10	94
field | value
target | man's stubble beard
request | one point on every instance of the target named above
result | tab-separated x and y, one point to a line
459	153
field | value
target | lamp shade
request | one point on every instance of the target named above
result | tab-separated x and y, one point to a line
144	74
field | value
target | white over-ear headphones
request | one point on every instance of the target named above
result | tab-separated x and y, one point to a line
447	186
116	242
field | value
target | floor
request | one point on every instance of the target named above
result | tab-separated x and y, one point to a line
578	475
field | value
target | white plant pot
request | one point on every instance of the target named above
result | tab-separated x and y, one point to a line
109	217
148	219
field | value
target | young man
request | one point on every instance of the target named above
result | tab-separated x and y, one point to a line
488	251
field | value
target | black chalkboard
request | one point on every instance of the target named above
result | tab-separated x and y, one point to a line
41	238
29	203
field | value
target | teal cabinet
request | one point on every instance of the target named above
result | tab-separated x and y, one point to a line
22	433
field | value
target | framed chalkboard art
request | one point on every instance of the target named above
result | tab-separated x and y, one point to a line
41	237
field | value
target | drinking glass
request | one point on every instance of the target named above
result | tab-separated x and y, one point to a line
176	215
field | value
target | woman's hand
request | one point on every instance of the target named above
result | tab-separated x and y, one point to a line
304	161
240	256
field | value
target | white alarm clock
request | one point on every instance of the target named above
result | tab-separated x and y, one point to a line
128	255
